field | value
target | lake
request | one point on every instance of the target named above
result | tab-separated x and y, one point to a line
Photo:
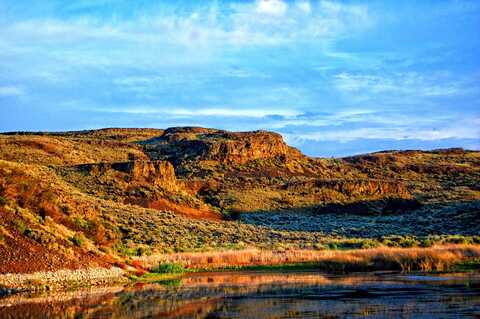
264	295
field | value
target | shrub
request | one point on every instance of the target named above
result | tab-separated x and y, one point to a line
79	222
408	242
143	251
369	243
390	243
332	245
3	201
460	240
38	236
20	226
124	250
169	268
427	242
77	240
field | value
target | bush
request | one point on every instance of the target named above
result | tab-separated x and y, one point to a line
427	242
408	242
369	243
460	240
3	201
169	268
20	226
390	243
77	240
125	250
332	245
143	251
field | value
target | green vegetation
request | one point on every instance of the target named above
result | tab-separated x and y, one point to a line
155	278
3	200
472	264
21	227
77	239
169	268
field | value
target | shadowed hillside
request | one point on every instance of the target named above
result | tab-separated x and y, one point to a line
69	199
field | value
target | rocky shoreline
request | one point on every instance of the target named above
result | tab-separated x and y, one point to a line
49	280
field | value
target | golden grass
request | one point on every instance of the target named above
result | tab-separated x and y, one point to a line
48	150
438	258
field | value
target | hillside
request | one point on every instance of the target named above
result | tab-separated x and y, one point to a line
94	198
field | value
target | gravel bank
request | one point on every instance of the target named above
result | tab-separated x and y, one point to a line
60	279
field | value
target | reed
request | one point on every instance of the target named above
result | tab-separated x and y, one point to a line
437	258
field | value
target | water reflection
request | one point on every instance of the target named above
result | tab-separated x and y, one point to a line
264	295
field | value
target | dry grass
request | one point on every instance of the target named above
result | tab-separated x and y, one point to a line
47	150
440	258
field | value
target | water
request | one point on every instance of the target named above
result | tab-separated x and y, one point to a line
264	295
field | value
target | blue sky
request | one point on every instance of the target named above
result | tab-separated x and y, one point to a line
333	77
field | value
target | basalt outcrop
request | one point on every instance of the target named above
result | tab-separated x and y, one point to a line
186	144
158	173
353	188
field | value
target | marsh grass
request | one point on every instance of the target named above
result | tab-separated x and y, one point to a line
169	268
430	259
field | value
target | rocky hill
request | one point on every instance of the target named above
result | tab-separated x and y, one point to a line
99	196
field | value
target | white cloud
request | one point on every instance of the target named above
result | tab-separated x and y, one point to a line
176	112
396	133
11	91
304	6
265	22
271	7
410	83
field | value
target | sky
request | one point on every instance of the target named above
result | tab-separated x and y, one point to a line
335	78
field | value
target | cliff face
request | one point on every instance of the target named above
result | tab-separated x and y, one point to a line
158	173
186	144
352	188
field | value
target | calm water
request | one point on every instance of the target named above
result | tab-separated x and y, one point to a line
264	295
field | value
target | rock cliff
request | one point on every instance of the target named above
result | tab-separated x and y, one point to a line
192	143
354	188
159	173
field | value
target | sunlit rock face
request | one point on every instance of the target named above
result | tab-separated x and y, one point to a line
180	144
159	173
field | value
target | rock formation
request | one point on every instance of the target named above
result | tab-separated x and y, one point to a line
352	188
182	144
159	173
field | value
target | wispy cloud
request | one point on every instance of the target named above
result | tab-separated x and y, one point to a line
11	91
272	7
179	112
410	83
264	22
394	133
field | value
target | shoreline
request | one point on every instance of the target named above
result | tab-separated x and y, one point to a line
461	258
61	279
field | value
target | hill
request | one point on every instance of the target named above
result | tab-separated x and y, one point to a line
98	197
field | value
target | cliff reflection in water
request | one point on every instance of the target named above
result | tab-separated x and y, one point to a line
264	295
